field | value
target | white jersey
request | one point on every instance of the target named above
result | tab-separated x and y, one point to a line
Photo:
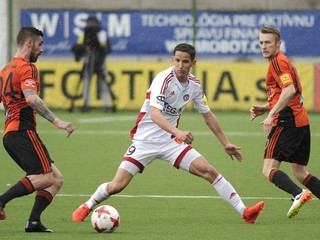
171	97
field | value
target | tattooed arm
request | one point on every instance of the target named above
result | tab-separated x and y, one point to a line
34	101
38	105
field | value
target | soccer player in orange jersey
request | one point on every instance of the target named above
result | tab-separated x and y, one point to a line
287	124
19	88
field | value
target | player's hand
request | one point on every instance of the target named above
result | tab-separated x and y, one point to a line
267	125
233	151
64	125
69	128
185	136
256	111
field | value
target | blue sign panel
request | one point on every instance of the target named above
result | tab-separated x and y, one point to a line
158	32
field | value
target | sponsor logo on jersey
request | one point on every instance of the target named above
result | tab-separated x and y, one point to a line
30	83
285	78
172	93
160	99
171	110
186	97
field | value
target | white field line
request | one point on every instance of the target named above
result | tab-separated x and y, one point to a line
117	133
132	118
107	119
168	196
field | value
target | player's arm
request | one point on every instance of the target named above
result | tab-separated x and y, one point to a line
214	125
36	103
286	95
257	110
162	122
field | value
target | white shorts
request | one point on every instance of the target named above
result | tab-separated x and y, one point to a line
141	153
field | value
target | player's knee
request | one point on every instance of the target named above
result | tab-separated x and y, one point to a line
58	181
47	180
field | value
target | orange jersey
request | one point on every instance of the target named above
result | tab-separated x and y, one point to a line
15	77
282	73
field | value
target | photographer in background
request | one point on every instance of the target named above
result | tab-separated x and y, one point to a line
93	47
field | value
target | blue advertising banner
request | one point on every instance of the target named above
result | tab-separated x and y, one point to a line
158	32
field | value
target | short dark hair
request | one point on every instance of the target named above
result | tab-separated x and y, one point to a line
26	32
276	33
184	47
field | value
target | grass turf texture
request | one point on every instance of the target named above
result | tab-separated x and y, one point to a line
161	203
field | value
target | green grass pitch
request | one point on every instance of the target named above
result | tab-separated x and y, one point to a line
163	202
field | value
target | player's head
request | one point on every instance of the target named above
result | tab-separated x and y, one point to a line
32	39
183	60
28	32
272	30
187	48
270	41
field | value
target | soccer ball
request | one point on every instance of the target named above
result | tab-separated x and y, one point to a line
105	219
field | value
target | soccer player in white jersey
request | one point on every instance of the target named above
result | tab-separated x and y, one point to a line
156	136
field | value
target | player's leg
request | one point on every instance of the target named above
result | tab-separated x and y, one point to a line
200	167
103	192
183	156
279	178
284	144
37	167
283	182
43	199
312	183
47	183
57	181
280	147
302	175
300	162
24	187
128	168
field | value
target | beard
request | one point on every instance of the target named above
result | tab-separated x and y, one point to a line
33	58
34	54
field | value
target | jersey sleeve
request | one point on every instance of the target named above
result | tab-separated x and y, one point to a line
29	77
157	93
282	73
200	102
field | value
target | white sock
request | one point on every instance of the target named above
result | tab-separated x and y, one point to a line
228	193
99	195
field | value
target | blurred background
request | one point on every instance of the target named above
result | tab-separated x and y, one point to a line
143	33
